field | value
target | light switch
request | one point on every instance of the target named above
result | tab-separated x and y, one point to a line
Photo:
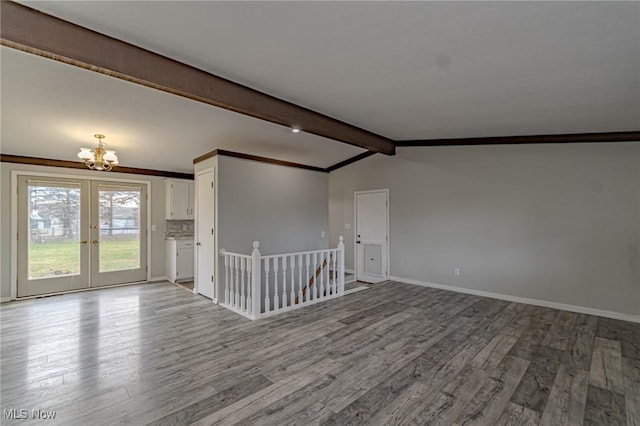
153	228
322	234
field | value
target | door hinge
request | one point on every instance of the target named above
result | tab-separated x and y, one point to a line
212	184
211	278
211	231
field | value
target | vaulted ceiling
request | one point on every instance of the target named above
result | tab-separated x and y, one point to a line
402	70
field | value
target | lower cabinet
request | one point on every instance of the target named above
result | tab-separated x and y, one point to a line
179	260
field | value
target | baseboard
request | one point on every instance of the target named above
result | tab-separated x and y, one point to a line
5	299
154	279
355	290
350	271
536	302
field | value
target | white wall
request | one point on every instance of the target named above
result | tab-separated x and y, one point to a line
157	207
558	223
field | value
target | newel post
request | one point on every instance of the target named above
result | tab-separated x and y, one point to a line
341	265
256	277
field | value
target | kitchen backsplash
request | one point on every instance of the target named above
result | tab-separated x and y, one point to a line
178	225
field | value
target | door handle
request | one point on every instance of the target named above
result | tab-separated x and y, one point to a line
357	242
95	242
83	242
198	244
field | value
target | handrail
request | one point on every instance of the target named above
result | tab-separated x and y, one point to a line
223	252
288	280
271	256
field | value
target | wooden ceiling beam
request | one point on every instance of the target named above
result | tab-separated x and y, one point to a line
519	140
34	32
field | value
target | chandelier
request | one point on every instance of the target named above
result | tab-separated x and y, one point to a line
99	158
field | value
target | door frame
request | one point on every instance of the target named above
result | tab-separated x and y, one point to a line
213	169
14	221
355	232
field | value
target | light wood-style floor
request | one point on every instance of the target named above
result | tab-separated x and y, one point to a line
392	354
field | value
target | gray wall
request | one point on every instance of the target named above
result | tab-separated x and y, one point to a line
157	216
559	223
284	208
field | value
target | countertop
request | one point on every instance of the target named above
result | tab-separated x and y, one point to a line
178	236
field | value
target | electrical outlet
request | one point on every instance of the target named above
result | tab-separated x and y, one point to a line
153	228
322	234
456	272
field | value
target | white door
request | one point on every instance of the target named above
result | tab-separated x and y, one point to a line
53	235
205	245
118	233
372	235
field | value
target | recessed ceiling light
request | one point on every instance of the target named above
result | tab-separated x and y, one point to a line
295	130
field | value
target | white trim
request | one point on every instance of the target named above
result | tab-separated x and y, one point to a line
355	290
5	299
349	271
154	279
80	290
526	300
14	219
355	230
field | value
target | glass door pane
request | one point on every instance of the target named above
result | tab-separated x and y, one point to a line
119	229
52	243
118	233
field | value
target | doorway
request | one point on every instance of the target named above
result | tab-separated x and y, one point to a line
79	233
372	235
205	238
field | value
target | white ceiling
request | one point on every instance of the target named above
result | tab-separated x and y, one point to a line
50	109
406	70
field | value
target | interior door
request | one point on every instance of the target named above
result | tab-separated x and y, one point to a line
53	247
118	233
205	241
372	239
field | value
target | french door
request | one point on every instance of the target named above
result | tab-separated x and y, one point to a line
76	233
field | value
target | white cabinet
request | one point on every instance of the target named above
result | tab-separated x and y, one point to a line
179	199
179	260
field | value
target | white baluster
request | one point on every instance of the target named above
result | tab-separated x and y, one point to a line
335	271
238	283
322	272
267	301
232	269
243	271
284	281
341	265
300	282
226	279
276	303
315	275
248	305
292	265
306	283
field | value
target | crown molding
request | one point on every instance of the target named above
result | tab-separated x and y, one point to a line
37	161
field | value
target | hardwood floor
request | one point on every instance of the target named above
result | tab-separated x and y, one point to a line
392	354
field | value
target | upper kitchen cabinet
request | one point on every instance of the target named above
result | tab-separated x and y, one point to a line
179	199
